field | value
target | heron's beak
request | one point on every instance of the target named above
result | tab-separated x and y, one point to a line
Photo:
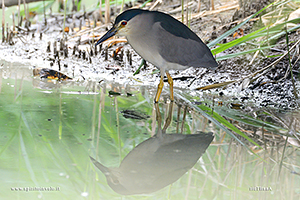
102	168
107	35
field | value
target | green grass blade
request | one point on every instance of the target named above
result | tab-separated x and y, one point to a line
221	122
238	41
265	31
233	55
226	123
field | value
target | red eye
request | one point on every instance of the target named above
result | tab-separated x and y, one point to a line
123	23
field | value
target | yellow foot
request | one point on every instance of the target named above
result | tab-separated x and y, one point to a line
159	88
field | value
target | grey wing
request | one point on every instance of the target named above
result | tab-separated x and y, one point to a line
183	51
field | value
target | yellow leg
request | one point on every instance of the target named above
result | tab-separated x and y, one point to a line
169	118
158	119
170	81
159	88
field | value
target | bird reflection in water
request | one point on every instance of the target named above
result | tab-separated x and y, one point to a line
158	161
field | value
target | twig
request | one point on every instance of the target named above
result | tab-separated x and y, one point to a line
45	12
290	65
198	6
19	6
288	70
176	10
64	23
107	12
255	55
26	11
270	65
213	12
13	21
79	33
155	4
100	10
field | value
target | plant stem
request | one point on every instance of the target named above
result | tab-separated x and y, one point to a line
3	21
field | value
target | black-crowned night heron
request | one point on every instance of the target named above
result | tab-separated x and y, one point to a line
163	41
158	161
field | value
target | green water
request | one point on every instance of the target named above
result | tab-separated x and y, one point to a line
49	130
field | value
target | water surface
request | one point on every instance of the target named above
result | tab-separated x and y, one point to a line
49	130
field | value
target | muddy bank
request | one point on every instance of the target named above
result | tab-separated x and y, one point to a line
74	54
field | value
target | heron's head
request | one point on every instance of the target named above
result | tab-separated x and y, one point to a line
124	23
